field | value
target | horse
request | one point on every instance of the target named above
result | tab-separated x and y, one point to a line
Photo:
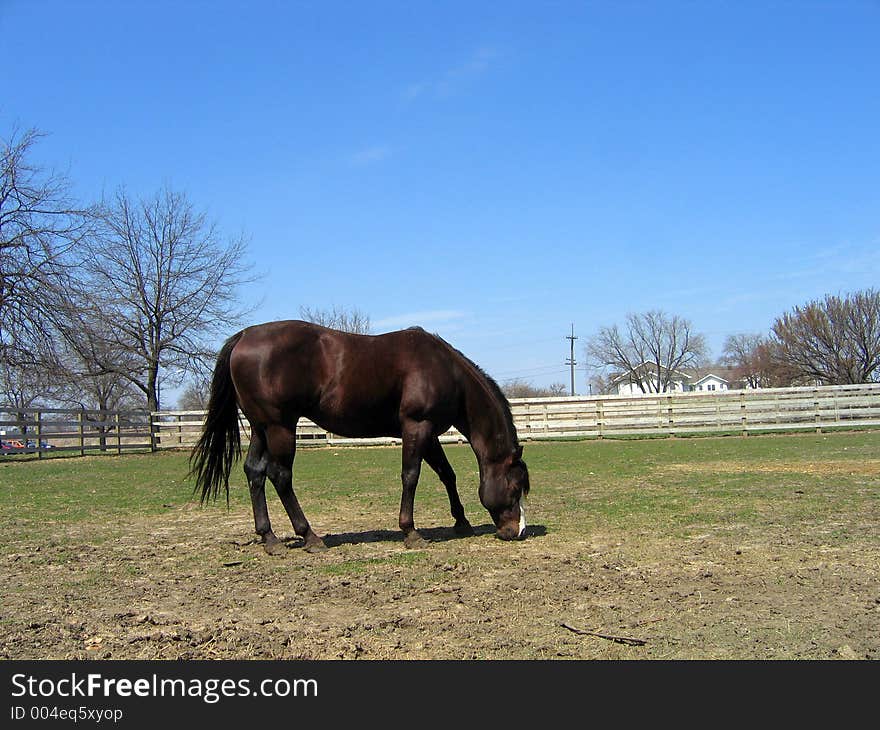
407	384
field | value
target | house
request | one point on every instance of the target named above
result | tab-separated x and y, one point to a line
723	377
645	375
709	382
713	379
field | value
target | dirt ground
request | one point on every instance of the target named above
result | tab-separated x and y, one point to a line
192	585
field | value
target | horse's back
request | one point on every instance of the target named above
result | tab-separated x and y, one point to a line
353	385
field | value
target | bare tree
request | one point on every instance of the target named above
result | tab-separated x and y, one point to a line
833	341
599	383
39	224
758	362
649	349
86	367
195	395
22	389
775	371
743	352
158	287
519	388
81	381
338	318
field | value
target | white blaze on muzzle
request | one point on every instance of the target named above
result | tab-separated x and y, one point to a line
522	519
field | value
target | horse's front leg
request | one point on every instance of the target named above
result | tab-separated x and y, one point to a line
416	435
440	464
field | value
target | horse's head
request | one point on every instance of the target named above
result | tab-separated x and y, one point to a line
503	486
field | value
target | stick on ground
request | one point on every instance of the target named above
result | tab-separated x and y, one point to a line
628	640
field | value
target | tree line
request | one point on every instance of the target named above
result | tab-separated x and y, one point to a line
830	341
103	304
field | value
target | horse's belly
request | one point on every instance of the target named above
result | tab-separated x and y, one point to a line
361	426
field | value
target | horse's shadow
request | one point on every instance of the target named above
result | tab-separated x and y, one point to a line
429	534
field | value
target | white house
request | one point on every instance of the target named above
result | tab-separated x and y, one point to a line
700	379
628	383
709	382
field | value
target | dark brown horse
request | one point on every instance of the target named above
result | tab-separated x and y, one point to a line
407	384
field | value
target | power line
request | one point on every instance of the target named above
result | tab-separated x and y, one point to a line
549	367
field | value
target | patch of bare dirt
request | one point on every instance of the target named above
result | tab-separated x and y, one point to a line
194	585
861	467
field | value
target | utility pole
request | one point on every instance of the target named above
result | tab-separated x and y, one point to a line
571	361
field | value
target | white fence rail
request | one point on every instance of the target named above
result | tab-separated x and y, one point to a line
50	431
737	411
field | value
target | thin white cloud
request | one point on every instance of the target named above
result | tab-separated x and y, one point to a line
370	155
841	259
450	81
409	319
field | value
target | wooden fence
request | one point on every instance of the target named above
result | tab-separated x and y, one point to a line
670	414
51	430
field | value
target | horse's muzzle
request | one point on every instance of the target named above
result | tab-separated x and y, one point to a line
512	529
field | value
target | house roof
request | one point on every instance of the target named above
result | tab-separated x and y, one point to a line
722	372
710	375
650	366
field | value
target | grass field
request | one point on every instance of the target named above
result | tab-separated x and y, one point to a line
759	547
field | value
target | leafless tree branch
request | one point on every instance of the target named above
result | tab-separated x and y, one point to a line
338	318
156	288
648	352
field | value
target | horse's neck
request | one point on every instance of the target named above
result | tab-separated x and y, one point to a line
487	427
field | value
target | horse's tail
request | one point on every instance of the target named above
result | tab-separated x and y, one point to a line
220	443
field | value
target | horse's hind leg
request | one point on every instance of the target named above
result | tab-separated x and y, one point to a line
255	469
439	463
416	436
281	444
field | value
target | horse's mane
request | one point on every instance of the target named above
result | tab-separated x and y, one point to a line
487	381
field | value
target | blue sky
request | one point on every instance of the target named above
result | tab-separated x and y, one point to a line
493	171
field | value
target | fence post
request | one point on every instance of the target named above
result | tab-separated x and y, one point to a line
118	434
39	429
742	412
816	408
82	437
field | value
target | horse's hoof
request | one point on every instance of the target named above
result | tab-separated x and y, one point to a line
464	529
274	548
414	541
315	546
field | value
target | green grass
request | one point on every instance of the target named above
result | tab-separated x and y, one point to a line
670	485
75	488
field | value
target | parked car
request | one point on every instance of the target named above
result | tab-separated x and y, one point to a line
9	444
